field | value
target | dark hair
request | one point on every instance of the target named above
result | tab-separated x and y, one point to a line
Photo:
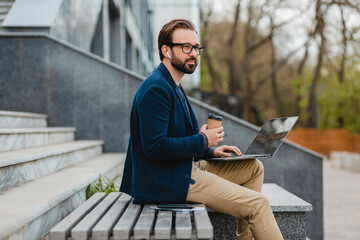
165	34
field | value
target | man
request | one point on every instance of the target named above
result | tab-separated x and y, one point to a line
162	163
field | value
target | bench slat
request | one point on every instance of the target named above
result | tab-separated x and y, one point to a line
102	230
62	230
203	225
145	223
82	230
123	228
183	225
163	225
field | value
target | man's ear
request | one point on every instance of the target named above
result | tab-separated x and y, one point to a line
164	50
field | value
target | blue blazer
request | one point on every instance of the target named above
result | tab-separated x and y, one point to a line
164	141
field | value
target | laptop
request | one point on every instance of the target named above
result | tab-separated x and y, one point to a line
267	141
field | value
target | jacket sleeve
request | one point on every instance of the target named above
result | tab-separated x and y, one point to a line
209	152
154	115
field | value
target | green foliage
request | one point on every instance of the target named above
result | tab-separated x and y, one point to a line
205	83
301	85
338	102
101	184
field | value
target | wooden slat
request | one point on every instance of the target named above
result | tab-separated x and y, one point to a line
123	228
62	230
203	225
145	223
82	230
183	225
163	225
102	230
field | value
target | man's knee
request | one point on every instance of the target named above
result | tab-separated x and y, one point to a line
263	200
260	204
258	167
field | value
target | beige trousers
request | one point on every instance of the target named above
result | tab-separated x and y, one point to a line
234	188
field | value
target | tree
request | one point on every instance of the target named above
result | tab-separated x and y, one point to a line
245	56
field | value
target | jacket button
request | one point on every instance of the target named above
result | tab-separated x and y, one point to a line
187	176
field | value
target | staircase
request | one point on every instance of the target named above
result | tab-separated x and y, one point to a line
5	6
44	173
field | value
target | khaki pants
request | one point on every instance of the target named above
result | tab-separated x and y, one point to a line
234	188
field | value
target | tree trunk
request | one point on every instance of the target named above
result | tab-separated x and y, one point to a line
215	78
312	107
341	72
233	78
274	86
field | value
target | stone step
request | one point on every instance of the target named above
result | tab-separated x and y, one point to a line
289	211
19	138
4	11
23	165
28	211
6	4
10	119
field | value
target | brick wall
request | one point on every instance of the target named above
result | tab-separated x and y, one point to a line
325	141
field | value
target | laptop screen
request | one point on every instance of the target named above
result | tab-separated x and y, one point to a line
271	135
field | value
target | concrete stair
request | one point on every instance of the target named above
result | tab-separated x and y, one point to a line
5	6
27	164
9	119
19	138
44	173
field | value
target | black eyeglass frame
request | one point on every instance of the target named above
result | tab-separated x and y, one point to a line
198	48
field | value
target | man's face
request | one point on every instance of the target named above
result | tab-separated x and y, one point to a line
184	62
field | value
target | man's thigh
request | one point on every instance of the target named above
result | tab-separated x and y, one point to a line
238	172
222	195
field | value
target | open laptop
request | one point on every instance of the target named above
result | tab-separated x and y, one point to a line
267	141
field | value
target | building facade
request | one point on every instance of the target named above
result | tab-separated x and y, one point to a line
120	31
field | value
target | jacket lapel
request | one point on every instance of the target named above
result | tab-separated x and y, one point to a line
167	74
183	104
192	116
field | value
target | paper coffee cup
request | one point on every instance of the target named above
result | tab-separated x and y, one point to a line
214	121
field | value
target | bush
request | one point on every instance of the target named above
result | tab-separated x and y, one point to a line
101	184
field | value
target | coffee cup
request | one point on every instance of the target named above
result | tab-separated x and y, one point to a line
214	121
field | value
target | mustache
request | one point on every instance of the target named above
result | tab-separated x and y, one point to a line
191	59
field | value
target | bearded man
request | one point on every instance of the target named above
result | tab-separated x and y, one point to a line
166	145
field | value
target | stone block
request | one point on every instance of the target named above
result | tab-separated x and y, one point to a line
346	161
355	162
336	158
289	211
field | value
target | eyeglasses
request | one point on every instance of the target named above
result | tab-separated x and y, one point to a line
187	47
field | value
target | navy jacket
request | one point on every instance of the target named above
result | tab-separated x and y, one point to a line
164	140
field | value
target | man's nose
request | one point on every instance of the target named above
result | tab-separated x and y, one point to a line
194	52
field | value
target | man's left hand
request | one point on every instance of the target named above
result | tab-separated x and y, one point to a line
226	151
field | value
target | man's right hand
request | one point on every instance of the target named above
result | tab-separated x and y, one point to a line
214	136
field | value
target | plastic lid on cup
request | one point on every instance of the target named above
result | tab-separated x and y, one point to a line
215	117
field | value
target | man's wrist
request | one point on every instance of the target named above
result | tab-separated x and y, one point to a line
211	151
206	142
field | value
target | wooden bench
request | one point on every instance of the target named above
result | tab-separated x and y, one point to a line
116	217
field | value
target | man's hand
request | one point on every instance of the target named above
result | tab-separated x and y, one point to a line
214	136
226	151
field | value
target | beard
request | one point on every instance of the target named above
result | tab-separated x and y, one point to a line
183	66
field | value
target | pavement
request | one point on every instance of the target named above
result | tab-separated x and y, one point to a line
341	203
